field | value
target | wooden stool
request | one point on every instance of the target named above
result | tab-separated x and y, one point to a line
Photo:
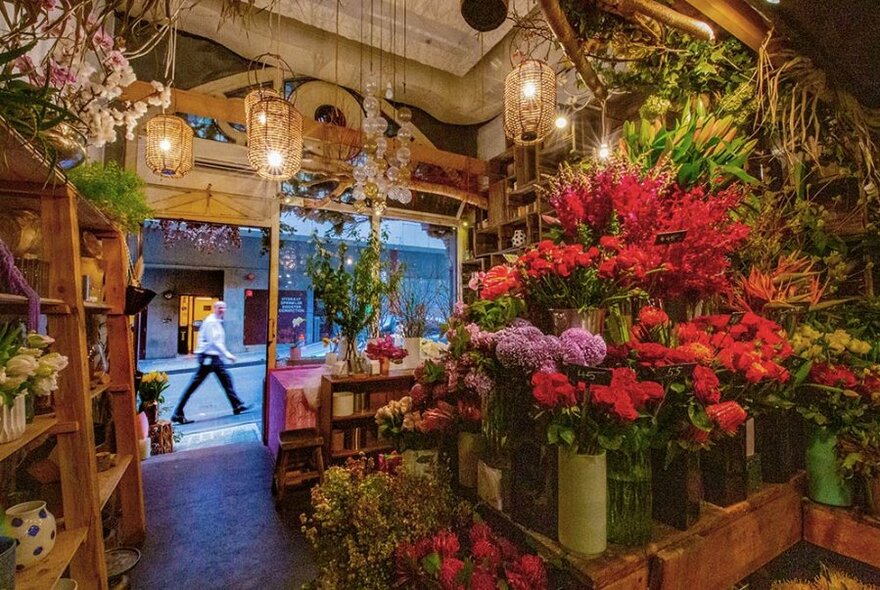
300	459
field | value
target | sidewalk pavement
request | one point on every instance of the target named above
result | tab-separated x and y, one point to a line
187	363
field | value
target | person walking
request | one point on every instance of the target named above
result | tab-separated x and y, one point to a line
210	347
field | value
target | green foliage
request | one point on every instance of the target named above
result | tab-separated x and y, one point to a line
496	314
351	299
360	516
703	147
117	192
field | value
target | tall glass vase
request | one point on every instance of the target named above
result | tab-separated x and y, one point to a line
629	497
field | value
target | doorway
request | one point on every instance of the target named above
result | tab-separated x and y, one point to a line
193	310
190	276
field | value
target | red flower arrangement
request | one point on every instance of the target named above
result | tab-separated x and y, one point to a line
626	397
754	348
554	390
384	348
728	416
620	199
480	561
498	281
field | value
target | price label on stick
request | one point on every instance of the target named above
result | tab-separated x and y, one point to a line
670	237
589	375
735	318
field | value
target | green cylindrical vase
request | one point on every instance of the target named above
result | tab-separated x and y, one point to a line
583	502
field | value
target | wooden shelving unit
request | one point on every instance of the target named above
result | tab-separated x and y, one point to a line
41	425
109	480
377	390
27	181
45	574
843	531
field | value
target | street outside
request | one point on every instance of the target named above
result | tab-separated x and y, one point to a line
214	423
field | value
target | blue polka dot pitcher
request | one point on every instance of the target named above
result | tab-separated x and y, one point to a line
33	528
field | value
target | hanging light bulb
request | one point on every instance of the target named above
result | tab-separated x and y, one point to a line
274	134
169	149
561	122
529	102
604	151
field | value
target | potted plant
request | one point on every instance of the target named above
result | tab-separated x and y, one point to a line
118	192
28	370
351	299
384	351
150	391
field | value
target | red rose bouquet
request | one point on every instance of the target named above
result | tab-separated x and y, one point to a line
482	560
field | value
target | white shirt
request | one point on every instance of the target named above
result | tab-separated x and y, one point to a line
212	338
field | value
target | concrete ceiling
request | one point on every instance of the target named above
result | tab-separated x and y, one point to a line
436	34
448	74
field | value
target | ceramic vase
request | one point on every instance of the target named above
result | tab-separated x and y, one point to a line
151	410
33	526
384	366
421	462
583	502
67	145
518	240
629	497
825	484
490	485
413	348
13	420
468	456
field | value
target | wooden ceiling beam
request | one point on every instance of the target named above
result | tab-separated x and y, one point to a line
232	111
736	17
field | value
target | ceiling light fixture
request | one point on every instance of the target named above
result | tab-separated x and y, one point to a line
274	134
561	122
169	146
529	102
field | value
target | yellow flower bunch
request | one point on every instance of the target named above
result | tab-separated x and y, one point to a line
155	377
811	344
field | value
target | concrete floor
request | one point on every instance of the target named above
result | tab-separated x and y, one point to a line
212	524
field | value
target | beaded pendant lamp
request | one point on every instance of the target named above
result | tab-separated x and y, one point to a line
529	102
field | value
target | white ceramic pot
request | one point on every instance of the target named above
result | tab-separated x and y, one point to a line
413	347
13	420
33	526
144	449
468	456
420	462
583	502
343	403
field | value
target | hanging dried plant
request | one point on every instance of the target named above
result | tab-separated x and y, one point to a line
808	115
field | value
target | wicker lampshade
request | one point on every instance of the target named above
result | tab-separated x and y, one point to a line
169	146
529	102
274	134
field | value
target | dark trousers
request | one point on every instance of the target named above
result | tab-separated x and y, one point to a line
208	364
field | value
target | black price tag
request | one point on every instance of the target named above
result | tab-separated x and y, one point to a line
589	375
670	237
670	372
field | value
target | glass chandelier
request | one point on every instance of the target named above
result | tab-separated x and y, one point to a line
383	171
529	102
274	134
169	150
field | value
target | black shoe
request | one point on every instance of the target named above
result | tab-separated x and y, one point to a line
241	409
181	419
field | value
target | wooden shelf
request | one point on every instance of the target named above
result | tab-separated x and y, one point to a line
47	306
41	425
97	307
371	414
366	451
99	389
401	374
45	574
108	480
843	531
723	547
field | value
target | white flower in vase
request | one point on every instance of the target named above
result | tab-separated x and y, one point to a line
51	363
35	340
21	365
44	385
